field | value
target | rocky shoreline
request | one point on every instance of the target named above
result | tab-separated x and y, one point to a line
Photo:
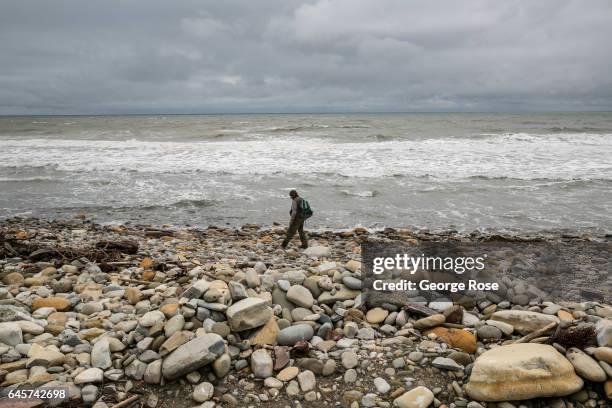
123	316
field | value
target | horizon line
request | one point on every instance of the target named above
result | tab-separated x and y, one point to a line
302	113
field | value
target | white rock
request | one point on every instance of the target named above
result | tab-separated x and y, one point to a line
248	313
307	380
90	375
151	318
300	296
381	385
317	251
419	397
203	392
10	333
100	354
261	363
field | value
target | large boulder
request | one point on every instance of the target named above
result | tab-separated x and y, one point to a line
524	321
248	313
193	355
522	371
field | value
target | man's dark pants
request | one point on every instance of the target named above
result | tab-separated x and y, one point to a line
296	226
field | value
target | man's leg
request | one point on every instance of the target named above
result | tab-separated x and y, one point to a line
290	233
303	236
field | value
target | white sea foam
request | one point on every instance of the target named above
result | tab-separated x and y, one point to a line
518	156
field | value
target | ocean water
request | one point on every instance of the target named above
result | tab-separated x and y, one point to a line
510	172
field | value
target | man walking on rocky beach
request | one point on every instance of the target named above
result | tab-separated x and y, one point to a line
296	222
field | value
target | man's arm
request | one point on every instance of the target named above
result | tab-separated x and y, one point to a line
294	209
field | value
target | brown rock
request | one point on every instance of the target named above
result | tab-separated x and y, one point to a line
13	278
146	263
524	321
148	276
453	314
456	338
429	321
288	374
60	304
90	334
169	309
354	315
35	281
608	389
522	371
133	295
603	354
376	315
281	358
57	318
48	271
267	334
21	403
565	316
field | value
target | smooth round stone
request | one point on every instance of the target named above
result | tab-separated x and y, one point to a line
352	282
252	278
585	366
151	318
524	321
203	392
300	313
415	356
293	334
603	354
366	333
272	382
376	315
89	393
288	374
487	332
329	367
300	296
369	400
506	328
350	376
90	375
381	385
349	359
419	397
429	321
174	324
283	284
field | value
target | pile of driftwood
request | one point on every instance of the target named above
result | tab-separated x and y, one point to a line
104	252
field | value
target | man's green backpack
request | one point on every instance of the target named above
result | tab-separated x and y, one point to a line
305	209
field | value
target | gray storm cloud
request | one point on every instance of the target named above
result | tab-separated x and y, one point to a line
145	56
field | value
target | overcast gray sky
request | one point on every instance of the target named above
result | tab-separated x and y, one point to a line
139	56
